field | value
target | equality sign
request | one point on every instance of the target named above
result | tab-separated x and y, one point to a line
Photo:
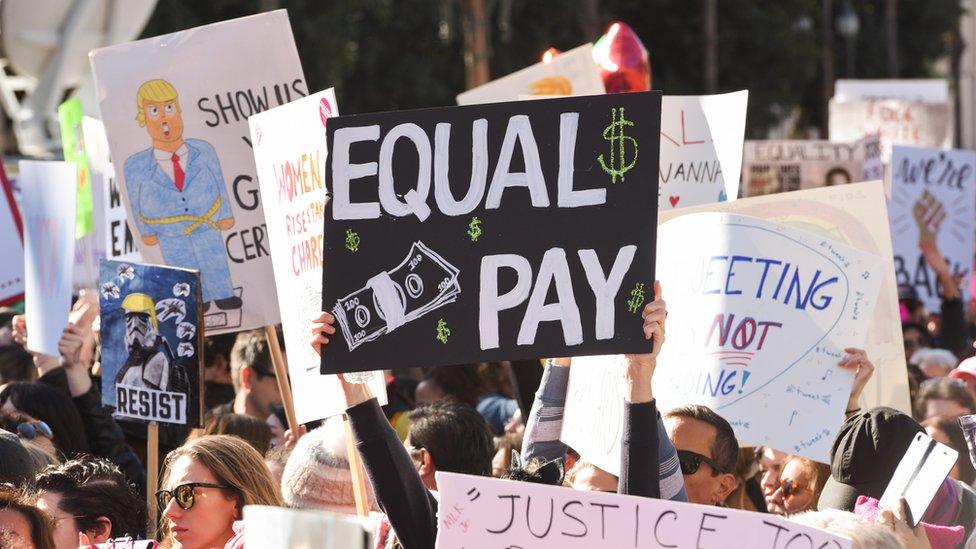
12	244
782	166
899	122
857	216
511	230
70	115
152	344
109	212
49	247
290	153
933	197
175	109
701	148
571	73
759	316
485	513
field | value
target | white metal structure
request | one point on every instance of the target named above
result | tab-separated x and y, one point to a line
45	45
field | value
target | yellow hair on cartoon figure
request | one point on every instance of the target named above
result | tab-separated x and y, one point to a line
156	91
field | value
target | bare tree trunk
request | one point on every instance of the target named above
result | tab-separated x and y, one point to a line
710	44
955	72
475	27
891	32
588	17
827	54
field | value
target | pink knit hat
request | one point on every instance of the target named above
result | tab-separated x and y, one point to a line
317	474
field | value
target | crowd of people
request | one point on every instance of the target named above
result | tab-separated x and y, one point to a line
73	476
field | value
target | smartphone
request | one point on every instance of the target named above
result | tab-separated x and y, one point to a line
918	477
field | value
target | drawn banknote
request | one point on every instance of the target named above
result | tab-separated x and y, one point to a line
421	283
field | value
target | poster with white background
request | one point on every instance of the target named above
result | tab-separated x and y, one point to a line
933	198
290	154
701	148
899	122
49	247
109	212
570	73
175	109
759	316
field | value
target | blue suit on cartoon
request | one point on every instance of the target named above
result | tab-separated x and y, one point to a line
184	221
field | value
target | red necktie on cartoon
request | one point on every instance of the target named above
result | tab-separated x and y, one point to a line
178	175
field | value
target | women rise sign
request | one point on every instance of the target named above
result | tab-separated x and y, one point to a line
491	232
759	316
290	153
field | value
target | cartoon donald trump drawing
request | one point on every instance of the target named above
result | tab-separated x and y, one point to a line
177	194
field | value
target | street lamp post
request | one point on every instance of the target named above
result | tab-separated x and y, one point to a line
848	26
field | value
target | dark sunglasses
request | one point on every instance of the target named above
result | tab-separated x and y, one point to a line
790	488
31	430
690	462
184	494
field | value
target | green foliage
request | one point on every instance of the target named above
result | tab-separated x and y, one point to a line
399	54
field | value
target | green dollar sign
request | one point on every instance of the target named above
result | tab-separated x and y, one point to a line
352	240
636	298
614	133
443	332
474	229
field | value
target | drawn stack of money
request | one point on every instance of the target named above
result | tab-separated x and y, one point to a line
421	283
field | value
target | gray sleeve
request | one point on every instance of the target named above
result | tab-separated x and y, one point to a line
545	421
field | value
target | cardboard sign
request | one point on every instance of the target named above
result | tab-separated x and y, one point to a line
701	148
187	96
918	477
570	73
933	195
70	114
857	216
12	244
455	260
152	344
266	526
109	212
932	90
485	513
759	316
898	122
290	153
49	248
782	166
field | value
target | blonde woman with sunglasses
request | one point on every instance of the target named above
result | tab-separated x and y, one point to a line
205	485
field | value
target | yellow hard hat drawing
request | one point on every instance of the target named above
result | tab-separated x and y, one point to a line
141	303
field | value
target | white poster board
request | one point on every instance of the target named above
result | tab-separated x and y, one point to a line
108	211
49	247
202	210
933	193
266	526
570	73
790	165
898	122
759	316
11	245
290	154
856	215
932	90
486	513
701	148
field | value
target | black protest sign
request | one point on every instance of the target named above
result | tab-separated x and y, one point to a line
491	232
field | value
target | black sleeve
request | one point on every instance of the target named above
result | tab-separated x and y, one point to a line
409	506
56	378
639	451
106	439
953	332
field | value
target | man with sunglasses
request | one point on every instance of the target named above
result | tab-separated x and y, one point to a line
707	452
255	384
